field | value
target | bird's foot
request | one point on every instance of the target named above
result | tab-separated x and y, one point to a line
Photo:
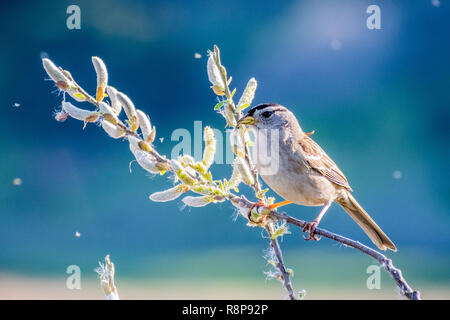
310	227
256	217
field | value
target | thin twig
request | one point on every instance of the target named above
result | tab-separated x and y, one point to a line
280	264
395	273
106	273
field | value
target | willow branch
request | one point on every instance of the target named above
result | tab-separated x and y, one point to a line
256	186
285	275
387	264
106	273
189	174
395	273
236	114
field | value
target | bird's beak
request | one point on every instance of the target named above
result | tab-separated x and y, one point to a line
247	120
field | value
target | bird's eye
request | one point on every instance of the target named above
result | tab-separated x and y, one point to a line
267	114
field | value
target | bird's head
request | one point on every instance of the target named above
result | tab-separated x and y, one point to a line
268	116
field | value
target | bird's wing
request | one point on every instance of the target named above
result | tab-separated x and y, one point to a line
317	159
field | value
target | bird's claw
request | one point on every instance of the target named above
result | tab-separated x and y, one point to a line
256	205
310	227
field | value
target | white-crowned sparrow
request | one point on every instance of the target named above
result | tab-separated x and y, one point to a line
301	172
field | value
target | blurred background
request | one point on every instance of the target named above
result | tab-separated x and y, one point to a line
378	99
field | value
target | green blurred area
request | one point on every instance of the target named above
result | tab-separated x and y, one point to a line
237	273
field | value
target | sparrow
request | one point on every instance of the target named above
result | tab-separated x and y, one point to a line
301	172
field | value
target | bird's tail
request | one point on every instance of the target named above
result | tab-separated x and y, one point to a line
363	219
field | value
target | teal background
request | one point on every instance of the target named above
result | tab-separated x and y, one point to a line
379	103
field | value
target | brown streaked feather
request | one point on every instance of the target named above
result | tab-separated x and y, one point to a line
318	160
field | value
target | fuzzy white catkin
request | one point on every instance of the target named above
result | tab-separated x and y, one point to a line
169	194
112	130
115	104
175	165
106	274
53	71
144	124
105	108
75	94
134	143
138	145
77	113
145	160
245	136
108	112
230	115
248	95
244	171
237	143
207	190
197	201
186	160
130	110
235	179
190	171
210	147
214	75
102	72
62	81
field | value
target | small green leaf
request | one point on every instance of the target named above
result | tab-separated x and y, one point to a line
79	95
234	91
219	105
277	233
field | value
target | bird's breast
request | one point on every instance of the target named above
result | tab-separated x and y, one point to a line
281	167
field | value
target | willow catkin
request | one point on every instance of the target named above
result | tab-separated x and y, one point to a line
63	80
197	201
181	172
102	77
210	147
235	179
244	171
79	114
144	124
54	72
115	104
214	75
248	95
108	112
130	110
112	130
169	194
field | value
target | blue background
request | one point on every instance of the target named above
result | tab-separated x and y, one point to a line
378	100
